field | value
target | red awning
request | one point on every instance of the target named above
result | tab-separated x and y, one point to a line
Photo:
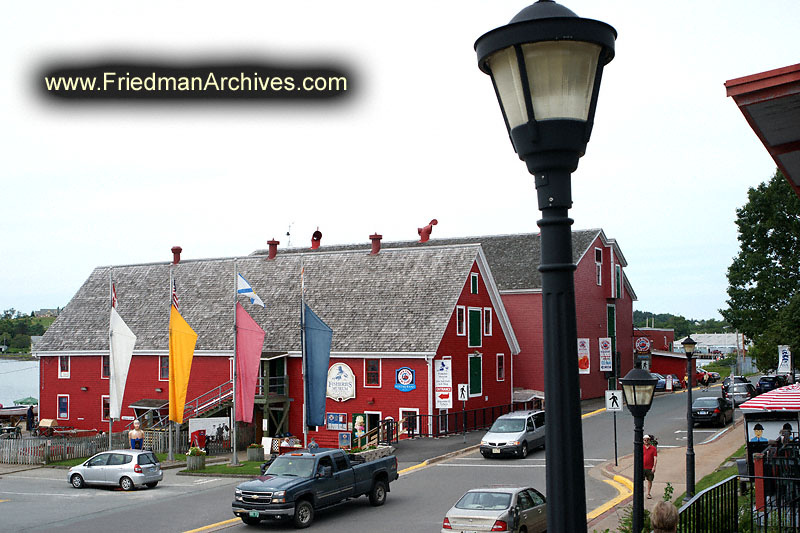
783	399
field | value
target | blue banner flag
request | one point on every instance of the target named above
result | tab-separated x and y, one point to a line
318	354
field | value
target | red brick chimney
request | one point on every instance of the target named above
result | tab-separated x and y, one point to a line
176	254
316	239
376	243
425	233
273	248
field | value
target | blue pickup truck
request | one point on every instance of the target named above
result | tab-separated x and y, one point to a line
296	485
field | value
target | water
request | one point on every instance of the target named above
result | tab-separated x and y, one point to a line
18	379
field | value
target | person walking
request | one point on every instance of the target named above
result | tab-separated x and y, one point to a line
650	459
29	419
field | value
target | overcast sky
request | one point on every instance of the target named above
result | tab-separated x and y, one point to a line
420	136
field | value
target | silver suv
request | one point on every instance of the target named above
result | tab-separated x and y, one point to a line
498	508
514	434
122	468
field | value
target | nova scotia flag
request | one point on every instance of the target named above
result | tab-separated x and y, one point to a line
245	289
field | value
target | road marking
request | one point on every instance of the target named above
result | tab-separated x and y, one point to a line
495	465
211	526
41	478
2	501
41	494
201	481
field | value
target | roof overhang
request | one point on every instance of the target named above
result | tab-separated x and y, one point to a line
770	102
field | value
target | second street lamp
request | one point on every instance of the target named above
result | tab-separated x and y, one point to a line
688	347
638	386
546	66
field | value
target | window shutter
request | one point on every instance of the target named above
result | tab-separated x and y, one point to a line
475	327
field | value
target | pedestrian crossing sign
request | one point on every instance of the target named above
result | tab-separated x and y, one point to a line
613	400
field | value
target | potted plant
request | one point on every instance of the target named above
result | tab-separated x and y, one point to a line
195	458
255	452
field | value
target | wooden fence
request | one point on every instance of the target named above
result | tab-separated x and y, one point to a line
35	451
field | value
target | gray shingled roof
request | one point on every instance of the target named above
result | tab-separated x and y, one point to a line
513	259
397	301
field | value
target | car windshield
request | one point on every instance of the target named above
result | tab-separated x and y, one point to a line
484	501
508	425
291	466
705	402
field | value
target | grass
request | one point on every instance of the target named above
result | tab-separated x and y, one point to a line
247	468
718	475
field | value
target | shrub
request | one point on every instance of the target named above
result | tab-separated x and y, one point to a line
256	445
194	451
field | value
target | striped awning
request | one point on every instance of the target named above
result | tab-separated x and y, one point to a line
786	398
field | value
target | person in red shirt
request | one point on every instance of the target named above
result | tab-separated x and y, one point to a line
650	459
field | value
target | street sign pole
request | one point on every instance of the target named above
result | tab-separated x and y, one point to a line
614	404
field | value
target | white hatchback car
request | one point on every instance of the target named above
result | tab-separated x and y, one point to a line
123	468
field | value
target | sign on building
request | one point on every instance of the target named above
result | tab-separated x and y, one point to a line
583	356
606	358
443	384
341	382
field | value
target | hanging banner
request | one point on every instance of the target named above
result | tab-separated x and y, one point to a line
784	359
443	384
583	356
606	360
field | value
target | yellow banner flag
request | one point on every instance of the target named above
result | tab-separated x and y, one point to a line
182	339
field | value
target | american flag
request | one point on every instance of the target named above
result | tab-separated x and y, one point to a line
174	294
113	295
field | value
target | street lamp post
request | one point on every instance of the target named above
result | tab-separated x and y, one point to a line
688	347
546	66
638	386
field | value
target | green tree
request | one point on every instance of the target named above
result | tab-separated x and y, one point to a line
764	278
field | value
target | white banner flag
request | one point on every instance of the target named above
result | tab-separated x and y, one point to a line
784	359
606	360
121	341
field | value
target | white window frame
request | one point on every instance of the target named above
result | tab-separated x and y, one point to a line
598	266
103	398
401	418
58	407
64	374
500	357
366	418
469	375
380	373
463	331
479	310
487	313
473	278
159	368
102	357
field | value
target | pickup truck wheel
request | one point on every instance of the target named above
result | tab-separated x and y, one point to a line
303	514
377	496
250	521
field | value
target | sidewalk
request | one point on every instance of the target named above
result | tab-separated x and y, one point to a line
671	468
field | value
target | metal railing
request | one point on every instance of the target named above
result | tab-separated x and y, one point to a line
766	504
455	422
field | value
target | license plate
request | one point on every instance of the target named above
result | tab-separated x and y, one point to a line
253	514
702	412
494	450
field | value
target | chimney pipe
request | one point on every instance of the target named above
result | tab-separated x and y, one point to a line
176	254
376	243
316	239
425	233
273	248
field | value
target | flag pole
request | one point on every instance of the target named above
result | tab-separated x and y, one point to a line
303	349
171	452
234	457
110	364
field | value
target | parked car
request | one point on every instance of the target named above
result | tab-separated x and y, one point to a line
662	381
713	410
128	469
768	383
740	393
514	434
498	508
714	377
297	484
732	379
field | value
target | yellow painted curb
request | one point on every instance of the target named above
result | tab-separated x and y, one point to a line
624	493
625	481
593	413
412	468
210	526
